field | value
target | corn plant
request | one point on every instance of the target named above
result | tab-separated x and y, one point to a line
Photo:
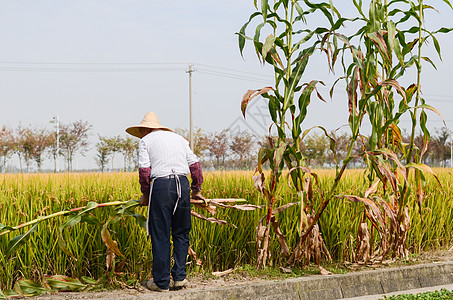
286	51
381	53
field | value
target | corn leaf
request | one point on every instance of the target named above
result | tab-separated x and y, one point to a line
64	283
19	240
107	238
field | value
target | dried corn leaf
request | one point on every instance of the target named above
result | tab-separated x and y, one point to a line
324	271
283	207
210	208
372	189
194	256
108	241
259	182
375	212
238	207
281	238
222	273
110	258
212	220
363	243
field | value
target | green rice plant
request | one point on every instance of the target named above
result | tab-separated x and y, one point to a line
25	197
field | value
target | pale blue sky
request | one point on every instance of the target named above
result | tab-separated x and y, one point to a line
161	38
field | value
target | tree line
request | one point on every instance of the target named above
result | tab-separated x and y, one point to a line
223	150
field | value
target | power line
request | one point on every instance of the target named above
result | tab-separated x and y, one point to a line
233	76
233	70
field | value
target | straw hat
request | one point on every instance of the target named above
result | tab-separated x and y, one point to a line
150	120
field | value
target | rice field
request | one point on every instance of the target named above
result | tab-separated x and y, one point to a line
24	197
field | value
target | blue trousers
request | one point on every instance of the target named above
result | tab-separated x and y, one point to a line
162	220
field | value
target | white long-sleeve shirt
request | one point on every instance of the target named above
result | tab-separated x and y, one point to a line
166	153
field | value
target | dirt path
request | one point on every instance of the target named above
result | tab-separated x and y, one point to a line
237	278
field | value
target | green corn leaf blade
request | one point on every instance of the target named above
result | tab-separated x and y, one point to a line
278	156
437	46
30	288
393	43
65	283
264	6
5	227
324	8
274	107
448	3
140	219
299	8
9	294
88	280
433	109
241	34
73	220
425	58
129	206
443	30
423	168
90	219
378	39
19	240
63	245
268	45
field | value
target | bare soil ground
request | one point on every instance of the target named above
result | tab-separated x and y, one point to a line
245	277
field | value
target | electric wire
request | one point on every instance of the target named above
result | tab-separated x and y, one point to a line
125	67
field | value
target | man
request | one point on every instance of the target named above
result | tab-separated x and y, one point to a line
165	160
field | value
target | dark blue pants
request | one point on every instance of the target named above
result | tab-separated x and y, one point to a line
162	220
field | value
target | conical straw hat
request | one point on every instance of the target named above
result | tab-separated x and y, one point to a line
150	120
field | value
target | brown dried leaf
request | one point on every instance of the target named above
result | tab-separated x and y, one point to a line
222	273
363	243
110	258
212	220
283	207
249	95
210	208
372	189
281	238
324	271
238	207
109	242
259	182
194	256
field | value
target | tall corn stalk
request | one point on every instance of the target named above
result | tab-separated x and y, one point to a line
382	52
289	99
380	56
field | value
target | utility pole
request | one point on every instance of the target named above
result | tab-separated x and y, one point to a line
190	71
56	120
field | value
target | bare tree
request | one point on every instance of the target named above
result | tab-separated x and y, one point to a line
73	138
